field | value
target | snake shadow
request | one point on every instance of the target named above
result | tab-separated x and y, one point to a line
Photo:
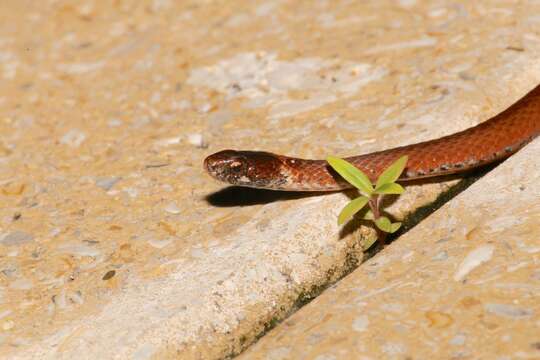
243	196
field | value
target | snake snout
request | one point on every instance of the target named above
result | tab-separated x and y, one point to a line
246	168
226	165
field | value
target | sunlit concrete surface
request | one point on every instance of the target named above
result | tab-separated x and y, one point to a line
465	283
114	243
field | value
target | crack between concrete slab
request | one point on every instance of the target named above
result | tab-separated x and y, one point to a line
419	214
352	262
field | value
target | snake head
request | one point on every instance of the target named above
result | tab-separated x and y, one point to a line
245	168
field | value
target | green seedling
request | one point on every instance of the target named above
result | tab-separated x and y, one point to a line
370	194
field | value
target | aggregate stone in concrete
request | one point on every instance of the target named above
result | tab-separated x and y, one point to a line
465	283
113	240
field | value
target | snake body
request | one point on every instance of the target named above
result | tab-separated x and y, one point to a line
490	141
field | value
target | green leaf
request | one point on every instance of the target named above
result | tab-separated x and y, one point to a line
395	227
352	174
390	188
368	242
392	172
368	215
385	225
352	208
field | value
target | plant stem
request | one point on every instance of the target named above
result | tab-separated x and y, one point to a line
375	205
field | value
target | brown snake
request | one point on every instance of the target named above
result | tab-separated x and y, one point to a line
492	140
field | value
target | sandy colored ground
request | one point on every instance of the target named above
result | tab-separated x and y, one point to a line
113	241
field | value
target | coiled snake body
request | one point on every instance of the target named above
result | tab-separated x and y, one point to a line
492	140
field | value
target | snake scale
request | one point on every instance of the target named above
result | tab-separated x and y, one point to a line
490	141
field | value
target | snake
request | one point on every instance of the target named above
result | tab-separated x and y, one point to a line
490	141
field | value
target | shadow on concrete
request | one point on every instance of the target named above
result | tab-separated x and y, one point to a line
244	196
414	218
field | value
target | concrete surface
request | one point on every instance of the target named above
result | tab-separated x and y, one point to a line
113	241
464	284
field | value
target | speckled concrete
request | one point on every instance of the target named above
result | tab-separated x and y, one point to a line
110	245
464	284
